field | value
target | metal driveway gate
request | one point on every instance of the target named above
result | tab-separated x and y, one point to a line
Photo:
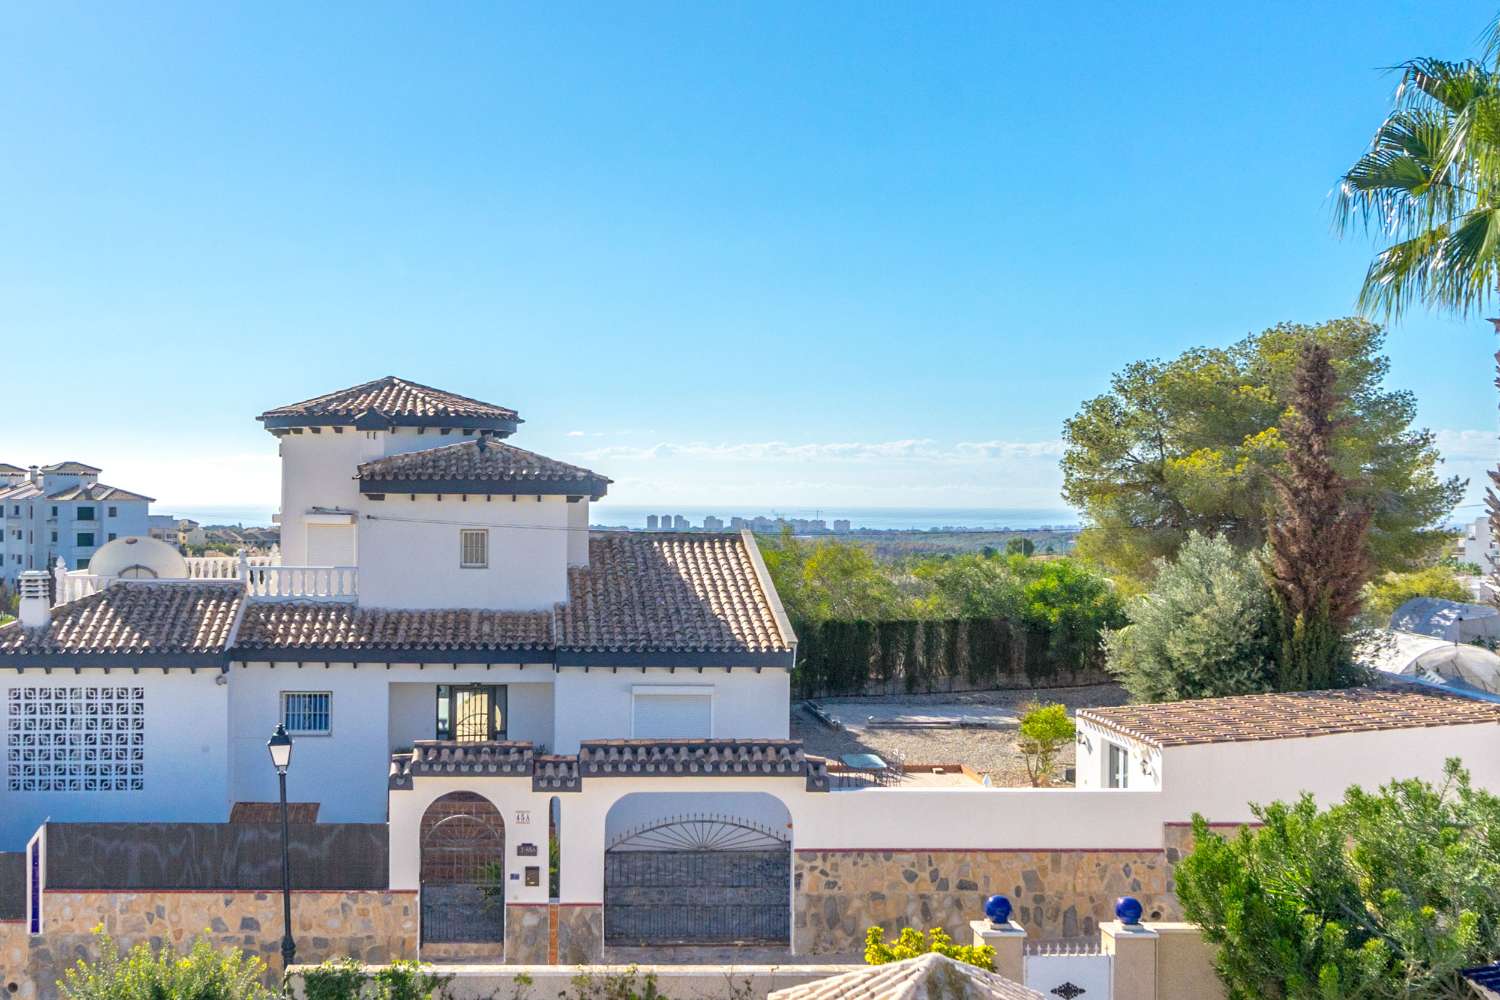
698	880
463	888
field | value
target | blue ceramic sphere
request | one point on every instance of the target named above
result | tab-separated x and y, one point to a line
997	908
1129	910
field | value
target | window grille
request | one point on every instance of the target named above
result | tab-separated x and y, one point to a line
306	713
474	545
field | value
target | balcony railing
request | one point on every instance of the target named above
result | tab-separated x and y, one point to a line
262	576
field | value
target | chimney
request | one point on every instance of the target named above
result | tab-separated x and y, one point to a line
32	475
35	608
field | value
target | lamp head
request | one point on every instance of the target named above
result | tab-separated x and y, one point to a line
280	747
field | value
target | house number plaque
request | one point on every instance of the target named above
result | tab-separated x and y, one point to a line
523	817
526	850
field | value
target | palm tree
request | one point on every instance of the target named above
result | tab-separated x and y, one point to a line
1430	186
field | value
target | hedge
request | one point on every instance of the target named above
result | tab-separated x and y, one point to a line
930	655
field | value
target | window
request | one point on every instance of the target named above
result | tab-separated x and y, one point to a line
1119	767
54	510
306	713
54	538
85	540
109	537
474	548
114	512
85	513
672	711
76	739
83	562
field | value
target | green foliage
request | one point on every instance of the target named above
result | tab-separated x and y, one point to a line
924	624
1190	445
1429	188
349	979
1045	730
627	985
910	944
1384	895
1383	595
1019	546
204	973
1207	627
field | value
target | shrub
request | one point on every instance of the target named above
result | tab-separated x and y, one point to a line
1383	595
204	973
407	980
1045	730
627	985
1385	894
348	979
1207	627
910	943
334	979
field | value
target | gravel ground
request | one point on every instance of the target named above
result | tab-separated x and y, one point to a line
988	751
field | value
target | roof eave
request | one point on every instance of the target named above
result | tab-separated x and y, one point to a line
594	487
504	425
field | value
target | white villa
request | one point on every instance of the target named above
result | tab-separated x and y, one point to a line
61	511
474	680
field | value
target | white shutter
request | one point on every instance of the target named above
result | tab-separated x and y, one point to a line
668	712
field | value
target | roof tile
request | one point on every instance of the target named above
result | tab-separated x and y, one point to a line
1290	715
135	618
392	397
483	464
294	625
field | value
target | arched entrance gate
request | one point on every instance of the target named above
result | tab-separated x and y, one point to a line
463	876
704	879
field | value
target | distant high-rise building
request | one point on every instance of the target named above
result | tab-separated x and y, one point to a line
841	527
651	522
711	523
679	523
666	522
738	523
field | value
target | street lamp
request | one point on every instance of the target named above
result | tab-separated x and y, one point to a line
280	747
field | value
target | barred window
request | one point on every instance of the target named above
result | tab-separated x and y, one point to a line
474	548
306	713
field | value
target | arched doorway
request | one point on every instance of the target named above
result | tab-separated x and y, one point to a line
720	876
463	871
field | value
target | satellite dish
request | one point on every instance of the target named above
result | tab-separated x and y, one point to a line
139	558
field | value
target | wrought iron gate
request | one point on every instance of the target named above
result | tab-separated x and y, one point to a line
463	888
698	880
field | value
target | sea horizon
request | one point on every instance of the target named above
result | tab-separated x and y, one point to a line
634	516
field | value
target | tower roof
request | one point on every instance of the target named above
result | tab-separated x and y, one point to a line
71	468
479	466
392	402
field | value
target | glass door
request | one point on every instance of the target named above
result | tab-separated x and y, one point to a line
471	713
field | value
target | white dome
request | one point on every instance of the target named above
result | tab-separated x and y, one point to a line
138	558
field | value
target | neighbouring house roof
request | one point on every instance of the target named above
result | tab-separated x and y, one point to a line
21	491
270	812
6	469
696	592
926	977
1247	718
1444	619
480	466
70	468
153	624
392	401
294	627
98	491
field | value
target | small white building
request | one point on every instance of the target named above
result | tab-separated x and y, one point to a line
1476	544
61	511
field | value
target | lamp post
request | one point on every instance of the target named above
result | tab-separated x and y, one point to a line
280	746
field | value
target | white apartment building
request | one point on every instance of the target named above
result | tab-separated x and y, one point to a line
62	512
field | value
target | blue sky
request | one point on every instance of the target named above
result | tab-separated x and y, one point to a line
807	254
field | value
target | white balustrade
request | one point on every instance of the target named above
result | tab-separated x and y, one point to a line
72	586
329	583
224	567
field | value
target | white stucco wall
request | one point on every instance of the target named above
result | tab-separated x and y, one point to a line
409	552
597	703
317	470
578	533
185	755
373	710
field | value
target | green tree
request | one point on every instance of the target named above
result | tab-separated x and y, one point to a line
1191	444
1044	731
1019	546
831	580
1383	595
1073	605
1384	895
1207	627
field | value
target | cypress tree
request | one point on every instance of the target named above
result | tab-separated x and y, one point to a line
1318	559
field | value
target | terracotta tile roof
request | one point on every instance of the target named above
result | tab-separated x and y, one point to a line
478	467
404	402
270	812
1246	718
647	592
130	618
922	978
625	758
98	491
70	469
305	625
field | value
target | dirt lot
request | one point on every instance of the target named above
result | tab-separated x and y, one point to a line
989	751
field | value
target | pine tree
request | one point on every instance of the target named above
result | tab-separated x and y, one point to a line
1491	502
1318	559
